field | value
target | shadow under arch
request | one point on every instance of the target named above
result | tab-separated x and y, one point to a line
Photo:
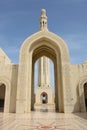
6	82
2	96
82	82
44	51
81	99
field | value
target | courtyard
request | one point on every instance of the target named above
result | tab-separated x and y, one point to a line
43	120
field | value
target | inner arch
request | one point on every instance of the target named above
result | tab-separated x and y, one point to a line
2	97
50	53
44	51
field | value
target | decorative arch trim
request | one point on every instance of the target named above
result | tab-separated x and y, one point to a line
51	40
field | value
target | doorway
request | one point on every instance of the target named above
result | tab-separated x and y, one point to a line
2	97
44	84
44	98
85	94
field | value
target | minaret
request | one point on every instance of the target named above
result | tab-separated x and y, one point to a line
43	20
44	89
44	72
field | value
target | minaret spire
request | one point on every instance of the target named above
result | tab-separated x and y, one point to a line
43	20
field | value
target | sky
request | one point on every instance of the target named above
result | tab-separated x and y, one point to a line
67	18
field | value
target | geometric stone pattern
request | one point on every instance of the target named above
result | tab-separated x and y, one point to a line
43	121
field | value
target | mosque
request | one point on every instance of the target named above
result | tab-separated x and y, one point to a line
17	81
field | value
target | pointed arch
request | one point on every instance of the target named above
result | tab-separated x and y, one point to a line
37	45
4	80
50	39
82	82
44	98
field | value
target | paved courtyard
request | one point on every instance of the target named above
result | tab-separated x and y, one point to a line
43	121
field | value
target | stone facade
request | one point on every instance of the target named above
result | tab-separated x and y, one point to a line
17	80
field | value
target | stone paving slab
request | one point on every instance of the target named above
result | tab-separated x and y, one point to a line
43	121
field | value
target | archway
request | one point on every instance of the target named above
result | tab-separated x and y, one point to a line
5	83
2	97
50	53
44	43
43	82
85	94
44	98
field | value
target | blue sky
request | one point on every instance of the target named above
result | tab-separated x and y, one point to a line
67	18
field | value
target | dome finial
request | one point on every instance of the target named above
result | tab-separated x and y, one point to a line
43	20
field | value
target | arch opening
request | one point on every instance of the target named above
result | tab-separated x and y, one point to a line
44	98
44	82
50	53
2	97
44	51
85	94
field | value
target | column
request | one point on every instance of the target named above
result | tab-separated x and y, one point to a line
44	71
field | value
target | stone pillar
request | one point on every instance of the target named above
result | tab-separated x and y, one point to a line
40	72
43	72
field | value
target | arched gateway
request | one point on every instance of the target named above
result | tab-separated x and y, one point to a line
4	95
44	43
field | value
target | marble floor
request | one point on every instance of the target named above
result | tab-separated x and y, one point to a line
43	120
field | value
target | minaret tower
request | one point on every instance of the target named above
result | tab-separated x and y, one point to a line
44	90
43	65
